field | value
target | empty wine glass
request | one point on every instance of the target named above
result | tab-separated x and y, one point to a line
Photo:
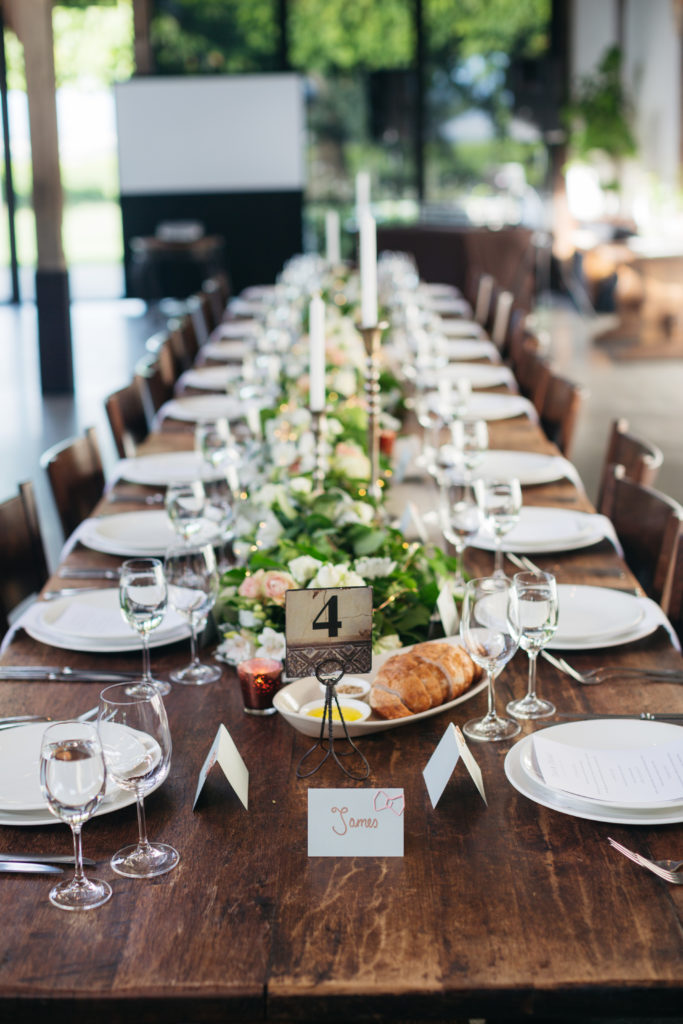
143	598
489	632
537	610
461	518
192	590
501	501
185	505
73	780
220	499
136	741
213	440
470	440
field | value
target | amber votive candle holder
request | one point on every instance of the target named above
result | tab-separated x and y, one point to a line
260	679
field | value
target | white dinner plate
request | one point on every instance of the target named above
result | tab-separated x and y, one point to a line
625	734
461	329
593	614
575	806
448	306
19	761
92	622
528	467
244	328
542	530
484	406
192	408
438	290
471	348
652	619
166	468
145	533
208	378
292	697
227	350
480	375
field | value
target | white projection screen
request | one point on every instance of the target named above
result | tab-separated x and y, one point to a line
210	134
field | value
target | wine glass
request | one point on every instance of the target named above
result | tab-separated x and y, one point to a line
192	590
143	598
488	628
537	610
73	780
501	501
219	511
461	518
470	439
213	440
136	742
185	505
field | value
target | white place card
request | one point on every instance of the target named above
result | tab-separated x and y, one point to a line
225	753
631	775
447	609
355	822
441	765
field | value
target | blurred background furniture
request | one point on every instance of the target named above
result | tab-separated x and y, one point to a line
76	476
23	566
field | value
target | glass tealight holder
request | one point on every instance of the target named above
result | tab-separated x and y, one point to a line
260	679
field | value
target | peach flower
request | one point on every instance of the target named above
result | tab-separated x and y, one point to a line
276	584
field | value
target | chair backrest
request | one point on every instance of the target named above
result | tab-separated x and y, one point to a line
560	411
675	609
533	372
127	414
485	296
156	373
501	320
640	459
649	526
217	294
23	565
76	475
184	340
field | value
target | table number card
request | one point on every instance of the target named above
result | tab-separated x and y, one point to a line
334	624
355	822
225	753
440	767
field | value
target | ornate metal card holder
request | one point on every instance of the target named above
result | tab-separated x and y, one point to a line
329	633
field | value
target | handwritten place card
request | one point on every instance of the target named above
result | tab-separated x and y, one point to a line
355	822
440	767
225	753
627	776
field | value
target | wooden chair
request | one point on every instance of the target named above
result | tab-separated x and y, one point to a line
485	298
649	526
214	293
128	417
675	609
23	565
640	459
533	372
502	316
76	475
157	381
559	412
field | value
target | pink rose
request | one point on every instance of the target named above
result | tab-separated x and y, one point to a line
252	586
275	585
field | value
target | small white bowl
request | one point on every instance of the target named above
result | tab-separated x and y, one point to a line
350	687
354	711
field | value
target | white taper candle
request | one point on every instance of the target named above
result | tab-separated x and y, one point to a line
368	270
316	334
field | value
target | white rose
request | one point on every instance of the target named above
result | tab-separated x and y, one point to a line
391	642
268	531
247	619
374	568
343	382
271	644
301	485
329	575
356	512
236	648
304	568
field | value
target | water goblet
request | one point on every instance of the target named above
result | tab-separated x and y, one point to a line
136	741
501	501
73	780
214	440
537	610
470	440
192	590
185	504
488	628
220	500
143	598
461	518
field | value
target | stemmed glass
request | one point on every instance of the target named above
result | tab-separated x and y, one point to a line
470	439
219	511
136	741
192	590
185	504
73	780
488	628
502	503
461	518
537	610
216	443
143	598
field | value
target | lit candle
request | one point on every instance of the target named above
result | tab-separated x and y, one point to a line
332	243
362	192
316	334
368	270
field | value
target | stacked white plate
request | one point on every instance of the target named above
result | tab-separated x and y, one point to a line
244	328
166	468
480	375
461	329
499	407
527	467
208	378
137	534
192	408
226	350
541	530
471	348
615	734
92	622
601	617
21	801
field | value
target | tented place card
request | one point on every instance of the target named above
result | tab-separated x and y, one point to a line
225	753
629	776
440	767
446	607
355	822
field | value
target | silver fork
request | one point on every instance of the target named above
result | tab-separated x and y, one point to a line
522	562
604	673
665	869
17	720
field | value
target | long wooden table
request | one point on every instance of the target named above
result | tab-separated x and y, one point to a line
510	910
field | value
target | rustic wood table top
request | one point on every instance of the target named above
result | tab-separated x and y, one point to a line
511	910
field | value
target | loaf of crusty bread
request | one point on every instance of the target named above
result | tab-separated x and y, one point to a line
430	674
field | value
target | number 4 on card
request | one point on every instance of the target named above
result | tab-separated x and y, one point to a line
330	624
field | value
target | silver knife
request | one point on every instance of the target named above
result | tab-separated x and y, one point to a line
57	674
27	868
65	573
647	716
42	858
52	595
